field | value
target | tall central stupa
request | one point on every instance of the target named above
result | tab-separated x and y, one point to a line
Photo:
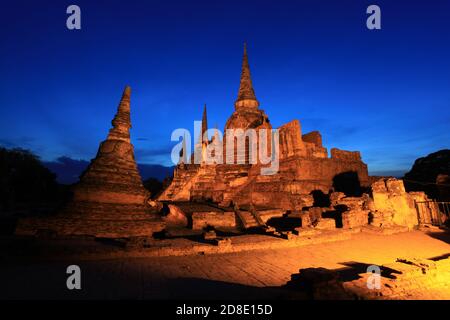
305	166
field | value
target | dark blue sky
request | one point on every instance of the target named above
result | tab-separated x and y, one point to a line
385	92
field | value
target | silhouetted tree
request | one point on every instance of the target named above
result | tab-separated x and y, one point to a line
431	174
154	186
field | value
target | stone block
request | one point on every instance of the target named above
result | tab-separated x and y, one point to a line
379	186
315	214
313	137
268	214
353	203
176	217
201	220
306	200
209	235
306	219
326	224
223	242
345	155
288	235
355	218
307	231
395	186
335	197
290	142
390	199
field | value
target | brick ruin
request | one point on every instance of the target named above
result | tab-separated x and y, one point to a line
109	200
311	188
310	193
386	208
304	164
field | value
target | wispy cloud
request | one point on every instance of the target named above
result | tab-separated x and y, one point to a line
159	155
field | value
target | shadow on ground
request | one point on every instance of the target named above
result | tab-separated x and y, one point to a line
440	235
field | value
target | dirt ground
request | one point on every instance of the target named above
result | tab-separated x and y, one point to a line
241	275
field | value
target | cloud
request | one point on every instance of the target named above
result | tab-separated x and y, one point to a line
21	142
67	170
332	129
7	143
393	173
26	143
155	155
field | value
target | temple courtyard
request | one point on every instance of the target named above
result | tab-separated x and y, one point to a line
313	226
267	269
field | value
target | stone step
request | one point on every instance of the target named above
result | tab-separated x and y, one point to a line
248	220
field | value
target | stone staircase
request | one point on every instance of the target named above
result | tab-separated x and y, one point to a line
180	187
205	184
241	191
249	219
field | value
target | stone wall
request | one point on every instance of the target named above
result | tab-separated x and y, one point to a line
323	170
313	137
394	204
304	167
427	209
176	217
101	228
313	145
345	155
290	140
266	215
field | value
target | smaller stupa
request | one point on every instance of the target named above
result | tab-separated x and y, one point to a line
110	200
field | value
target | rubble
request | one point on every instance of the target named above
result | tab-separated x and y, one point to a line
176	217
403	279
201	220
209	235
326	224
392	204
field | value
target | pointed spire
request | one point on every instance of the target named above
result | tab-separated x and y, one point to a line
201	139
204	121
125	101
246	94
183	151
122	122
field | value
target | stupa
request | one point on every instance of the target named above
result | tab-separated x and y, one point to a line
305	170
109	200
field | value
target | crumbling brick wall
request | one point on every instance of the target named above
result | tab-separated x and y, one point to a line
392	204
345	155
313	137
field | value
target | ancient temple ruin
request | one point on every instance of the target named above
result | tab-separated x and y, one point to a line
305	167
110	199
311	188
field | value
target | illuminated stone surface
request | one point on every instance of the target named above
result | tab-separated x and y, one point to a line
394	203
240	275
110	199
304	164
